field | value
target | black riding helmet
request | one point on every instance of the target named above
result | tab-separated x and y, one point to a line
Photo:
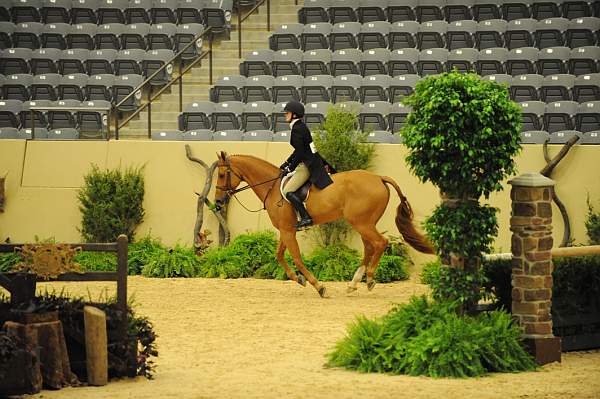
295	108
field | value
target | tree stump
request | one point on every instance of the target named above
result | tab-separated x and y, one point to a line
43	333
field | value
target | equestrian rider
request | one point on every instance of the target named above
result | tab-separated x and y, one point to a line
304	161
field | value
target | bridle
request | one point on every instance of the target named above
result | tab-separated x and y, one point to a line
231	192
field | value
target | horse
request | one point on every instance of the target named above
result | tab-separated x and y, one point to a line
358	196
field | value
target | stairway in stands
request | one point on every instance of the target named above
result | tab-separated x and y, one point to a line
165	110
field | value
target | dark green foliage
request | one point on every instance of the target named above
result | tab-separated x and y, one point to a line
395	262
9	346
111	203
457	285
430	271
341	144
247	255
422	338
334	263
466	230
8	260
141	252
462	134
70	311
178	261
96	261
592	224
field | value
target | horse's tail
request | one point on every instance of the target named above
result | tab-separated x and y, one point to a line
404	216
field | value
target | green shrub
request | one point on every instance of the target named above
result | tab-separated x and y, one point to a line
422	338
431	271
243	257
592	224
111	203
96	261
8	260
178	261
141	251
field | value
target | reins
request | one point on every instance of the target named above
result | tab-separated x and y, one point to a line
232	192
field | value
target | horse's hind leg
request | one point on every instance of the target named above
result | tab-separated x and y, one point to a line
378	242
289	239
290	273
358	274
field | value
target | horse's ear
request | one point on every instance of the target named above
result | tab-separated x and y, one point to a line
223	155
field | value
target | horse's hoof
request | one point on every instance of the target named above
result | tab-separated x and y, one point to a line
322	292
371	285
301	280
350	289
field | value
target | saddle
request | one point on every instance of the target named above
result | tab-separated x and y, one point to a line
302	192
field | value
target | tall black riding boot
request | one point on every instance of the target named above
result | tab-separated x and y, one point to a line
305	219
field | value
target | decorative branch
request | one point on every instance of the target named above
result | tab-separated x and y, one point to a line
203	199
547	171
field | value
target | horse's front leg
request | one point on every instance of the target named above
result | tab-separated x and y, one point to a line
290	273
289	239
359	273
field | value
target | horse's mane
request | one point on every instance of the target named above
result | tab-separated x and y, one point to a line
259	160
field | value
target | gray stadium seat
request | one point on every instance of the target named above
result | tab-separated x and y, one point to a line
198	135
315	35
15	60
345	88
431	34
226	115
108	36
432	61
562	136
65	118
257	88
545	9
27	35
490	33
403	34
216	15
54	35
342	11
258	135
56	11
374	61
153	61
63	134
314	11
559	116
458	10
128	62
557	88
93	124
44	61
379	136
9	133
315	62
316	88
520	33
40	117
84	11
462	60
9	113
584	60
371	10
521	61
100	62
315	114
550	32
587	88
163	11
534	137
286	62
82	36
553	60
16	87
460	34
99	87
286	36
397	115
134	36
44	86
590	138
138	12
373	35
228	135
72	61
491	61
345	61
531	115
526	87
588	117
402	86
582	32
111	11
161	36
429	10
124	85
576	9
401	10
344	35
185	34
196	116
256	116
282	136
169	135
6	30
257	63
287	88
403	62
373	115
228	88
374	88
71	87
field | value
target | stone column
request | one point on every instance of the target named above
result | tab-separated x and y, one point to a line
531	225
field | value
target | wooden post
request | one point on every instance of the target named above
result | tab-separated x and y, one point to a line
96	348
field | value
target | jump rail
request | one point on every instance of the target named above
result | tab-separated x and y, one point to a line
556	252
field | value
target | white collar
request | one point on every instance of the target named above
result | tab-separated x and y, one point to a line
292	122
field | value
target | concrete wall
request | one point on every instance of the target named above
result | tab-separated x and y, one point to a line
44	176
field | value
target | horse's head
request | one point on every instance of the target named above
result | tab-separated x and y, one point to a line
227	180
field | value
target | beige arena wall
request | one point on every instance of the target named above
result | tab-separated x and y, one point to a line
44	177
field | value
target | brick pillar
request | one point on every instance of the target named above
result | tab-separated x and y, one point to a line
531	225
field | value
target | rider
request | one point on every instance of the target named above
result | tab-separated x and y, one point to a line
305	161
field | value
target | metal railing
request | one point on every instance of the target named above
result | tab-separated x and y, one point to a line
153	96
241	19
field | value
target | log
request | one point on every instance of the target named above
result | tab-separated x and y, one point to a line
54	359
96	348
555	252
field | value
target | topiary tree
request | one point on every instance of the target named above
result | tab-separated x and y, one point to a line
592	224
345	148
111	203
462	135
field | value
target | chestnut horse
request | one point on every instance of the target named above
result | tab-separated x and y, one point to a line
358	196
